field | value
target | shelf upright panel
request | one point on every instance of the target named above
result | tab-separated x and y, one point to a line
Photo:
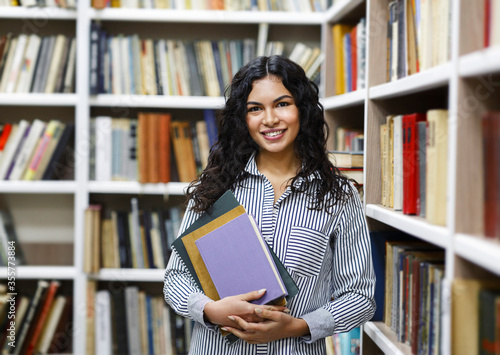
82	115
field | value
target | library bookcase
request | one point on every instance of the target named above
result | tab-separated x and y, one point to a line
52	213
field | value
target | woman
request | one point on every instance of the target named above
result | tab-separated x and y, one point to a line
271	153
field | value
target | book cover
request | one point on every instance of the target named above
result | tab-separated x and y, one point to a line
410	162
61	164
238	260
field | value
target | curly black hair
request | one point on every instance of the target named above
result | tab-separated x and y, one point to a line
234	146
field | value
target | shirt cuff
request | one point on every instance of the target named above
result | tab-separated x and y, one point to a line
321	325
196	306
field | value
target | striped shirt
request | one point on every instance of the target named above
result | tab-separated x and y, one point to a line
327	254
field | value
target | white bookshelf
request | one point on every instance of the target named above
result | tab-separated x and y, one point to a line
431	78
37	13
413	225
457	238
38	99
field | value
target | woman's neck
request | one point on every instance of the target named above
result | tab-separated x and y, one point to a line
278	164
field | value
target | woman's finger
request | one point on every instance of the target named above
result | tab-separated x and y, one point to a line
253	295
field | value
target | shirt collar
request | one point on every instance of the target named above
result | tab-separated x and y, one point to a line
252	169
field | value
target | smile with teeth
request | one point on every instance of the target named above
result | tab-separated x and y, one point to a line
274	133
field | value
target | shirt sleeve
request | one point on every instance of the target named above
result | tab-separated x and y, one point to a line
353	277
179	289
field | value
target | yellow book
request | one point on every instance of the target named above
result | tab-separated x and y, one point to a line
436	161
390	162
338	32
116	3
383	164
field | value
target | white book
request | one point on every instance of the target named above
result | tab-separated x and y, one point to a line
103	329
25	154
52	322
56	61
315	65
495	24
361	54
28	3
103	149
8	65
116	67
297	51
133	330
398	163
172	65
29	63
69	76
181	59
15	137
136	63
164	74
136	229
125	65
156	241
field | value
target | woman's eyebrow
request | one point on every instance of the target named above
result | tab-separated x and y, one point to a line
274	101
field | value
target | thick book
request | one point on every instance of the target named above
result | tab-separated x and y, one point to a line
238	260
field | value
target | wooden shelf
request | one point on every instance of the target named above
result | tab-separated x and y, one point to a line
42	272
37	13
413	225
38	99
480	250
340	9
158	101
385	339
482	62
207	16
345	100
148	275
136	188
429	79
38	187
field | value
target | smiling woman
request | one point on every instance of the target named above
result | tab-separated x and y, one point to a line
271	153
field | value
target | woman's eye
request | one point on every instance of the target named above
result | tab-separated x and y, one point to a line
253	109
282	104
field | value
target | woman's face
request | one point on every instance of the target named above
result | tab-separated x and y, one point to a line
272	117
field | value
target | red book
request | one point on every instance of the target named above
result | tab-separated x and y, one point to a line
354	59
491	162
411	162
53	287
5	135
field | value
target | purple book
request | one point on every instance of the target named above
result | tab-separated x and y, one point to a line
238	260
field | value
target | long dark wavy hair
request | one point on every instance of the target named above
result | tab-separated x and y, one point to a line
234	146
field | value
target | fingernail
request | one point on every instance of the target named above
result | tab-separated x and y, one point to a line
286	310
231	317
224	329
258	310
262	291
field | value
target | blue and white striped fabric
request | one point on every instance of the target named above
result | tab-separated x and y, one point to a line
328	256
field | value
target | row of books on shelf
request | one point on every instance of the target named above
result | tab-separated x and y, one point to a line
491	26
413	288
418	36
349	46
350	164
347	343
150	149
39	323
144	66
413	151
132	238
64	4
36	150
349	140
10	248
130	320
228	5
30	63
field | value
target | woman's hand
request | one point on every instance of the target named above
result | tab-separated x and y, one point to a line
273	326
218	312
